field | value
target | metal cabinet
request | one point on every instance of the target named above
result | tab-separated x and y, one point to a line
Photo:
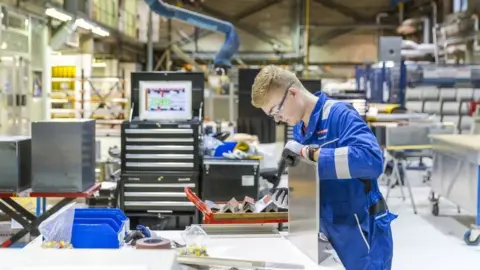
224	179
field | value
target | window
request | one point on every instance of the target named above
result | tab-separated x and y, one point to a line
460	5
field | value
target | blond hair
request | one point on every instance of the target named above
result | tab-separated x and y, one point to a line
271	78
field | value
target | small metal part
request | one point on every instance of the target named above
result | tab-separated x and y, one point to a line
247	205
231	207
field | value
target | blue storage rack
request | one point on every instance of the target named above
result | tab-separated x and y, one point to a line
446	76
383	84
99	228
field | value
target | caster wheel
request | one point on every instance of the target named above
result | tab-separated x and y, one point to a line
435	209
468	241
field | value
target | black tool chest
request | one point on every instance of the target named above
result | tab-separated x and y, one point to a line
288	135
158	161
224	179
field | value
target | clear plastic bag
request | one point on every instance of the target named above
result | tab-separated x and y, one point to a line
194	235
58	227
210	143
195	239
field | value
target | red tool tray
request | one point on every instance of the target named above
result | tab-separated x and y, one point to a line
473	107
209	217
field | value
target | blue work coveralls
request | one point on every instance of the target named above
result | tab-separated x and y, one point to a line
353	214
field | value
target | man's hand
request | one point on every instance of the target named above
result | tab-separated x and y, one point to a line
291	152
296	148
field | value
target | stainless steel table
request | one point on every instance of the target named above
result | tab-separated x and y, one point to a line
456	176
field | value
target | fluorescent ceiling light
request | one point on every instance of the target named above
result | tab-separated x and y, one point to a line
84	24
99	31
57	15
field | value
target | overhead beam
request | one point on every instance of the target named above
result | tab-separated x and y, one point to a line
242	26
264	4
235	20
322	39
331	4
372	26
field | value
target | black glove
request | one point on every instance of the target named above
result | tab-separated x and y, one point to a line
291	158
133	237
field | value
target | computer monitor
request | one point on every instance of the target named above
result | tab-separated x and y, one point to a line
165	100
158	78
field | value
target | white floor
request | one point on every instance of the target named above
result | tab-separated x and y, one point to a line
424	241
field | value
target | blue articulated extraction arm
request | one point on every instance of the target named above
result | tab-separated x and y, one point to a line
232	42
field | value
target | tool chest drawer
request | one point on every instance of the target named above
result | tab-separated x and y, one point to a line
161	178
158	191
148	146
147	197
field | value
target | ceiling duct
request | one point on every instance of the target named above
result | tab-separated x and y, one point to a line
232	42
65	37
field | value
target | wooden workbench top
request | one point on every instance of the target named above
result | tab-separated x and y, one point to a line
464	140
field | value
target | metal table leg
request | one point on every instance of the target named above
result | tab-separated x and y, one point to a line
29	222
21	210
24	220
398	176
409	187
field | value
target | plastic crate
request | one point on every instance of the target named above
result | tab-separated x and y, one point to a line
113	213
99	228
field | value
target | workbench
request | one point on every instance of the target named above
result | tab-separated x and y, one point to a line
456	176
268	247
262	242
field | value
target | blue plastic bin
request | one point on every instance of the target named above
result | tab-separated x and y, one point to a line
122	220
96	233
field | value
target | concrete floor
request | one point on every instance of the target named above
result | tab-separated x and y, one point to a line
424	241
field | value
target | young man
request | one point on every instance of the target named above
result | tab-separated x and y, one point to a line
354	215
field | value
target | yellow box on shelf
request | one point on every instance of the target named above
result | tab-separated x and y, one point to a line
63	83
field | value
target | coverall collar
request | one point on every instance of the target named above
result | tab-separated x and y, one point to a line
314	117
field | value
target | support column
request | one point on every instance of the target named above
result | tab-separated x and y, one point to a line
306	45
469	53
168	60
447	8
296	25
150	42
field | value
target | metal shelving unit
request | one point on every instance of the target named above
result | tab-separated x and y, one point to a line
107	101
100	98
65	98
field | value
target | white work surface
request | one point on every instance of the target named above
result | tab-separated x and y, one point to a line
56	259
464	140
260	248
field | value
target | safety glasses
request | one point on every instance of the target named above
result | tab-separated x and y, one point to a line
278	108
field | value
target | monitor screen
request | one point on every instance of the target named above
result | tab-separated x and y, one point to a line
165	100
